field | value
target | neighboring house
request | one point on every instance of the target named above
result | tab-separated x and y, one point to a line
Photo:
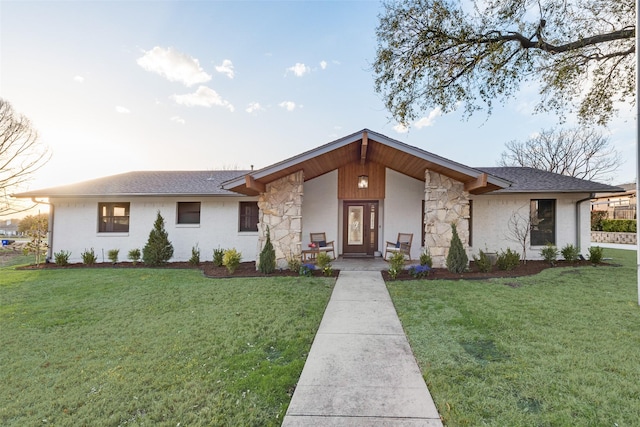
9	227
361	190
617	205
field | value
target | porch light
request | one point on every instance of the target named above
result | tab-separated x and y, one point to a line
363	181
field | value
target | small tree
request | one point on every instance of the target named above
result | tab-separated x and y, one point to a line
457	259
267	256
158	249
37	234
519	227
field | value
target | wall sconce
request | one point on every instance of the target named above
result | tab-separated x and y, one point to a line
363	181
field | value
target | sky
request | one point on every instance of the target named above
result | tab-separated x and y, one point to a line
117	86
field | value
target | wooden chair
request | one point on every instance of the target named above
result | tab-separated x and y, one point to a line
402	245
320	240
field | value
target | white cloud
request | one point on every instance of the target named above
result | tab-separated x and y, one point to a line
323	65
254	106
288	105
400	128
122	110
78	79
203	97
178	119
430	119
226	68
299	70
174	66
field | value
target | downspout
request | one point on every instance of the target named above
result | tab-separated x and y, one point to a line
578	217
50	227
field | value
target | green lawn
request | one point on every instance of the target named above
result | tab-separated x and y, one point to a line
110	347
557	349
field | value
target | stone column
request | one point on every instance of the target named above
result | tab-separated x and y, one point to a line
281	210
445	203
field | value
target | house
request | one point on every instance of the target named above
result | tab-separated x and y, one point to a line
620	205
361	190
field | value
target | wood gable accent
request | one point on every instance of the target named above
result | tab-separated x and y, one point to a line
348	181
372	153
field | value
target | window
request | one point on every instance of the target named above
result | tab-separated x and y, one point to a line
188	213
543	222
113	217
248	216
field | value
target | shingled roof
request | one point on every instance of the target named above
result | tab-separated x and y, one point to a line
530	180
146	183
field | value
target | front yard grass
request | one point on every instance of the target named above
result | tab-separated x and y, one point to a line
165	347
556	349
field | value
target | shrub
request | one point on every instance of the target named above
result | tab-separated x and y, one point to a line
595	254
267	256
324	263
549	253
508	260
425	258
294	263
596	220
482	261
231	260
195	255
457	260
619	225
158	249
134	255
89	257
62	257
419	271
307	270
396	263
113	255
570	253
218	255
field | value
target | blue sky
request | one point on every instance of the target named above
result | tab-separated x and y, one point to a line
118	86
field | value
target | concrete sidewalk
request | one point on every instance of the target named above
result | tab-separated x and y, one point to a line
361	371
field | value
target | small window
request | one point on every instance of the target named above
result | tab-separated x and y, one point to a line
188	213
113	217
543	222
248	216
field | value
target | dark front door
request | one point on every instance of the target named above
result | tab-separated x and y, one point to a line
360	228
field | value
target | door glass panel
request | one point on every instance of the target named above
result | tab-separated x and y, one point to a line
355	225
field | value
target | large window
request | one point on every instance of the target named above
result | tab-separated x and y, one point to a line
188	213
248	216
113	217
543	222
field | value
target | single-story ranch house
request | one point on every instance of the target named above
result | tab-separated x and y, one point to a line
361	190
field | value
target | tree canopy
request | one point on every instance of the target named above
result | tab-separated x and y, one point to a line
446	53
21	155
579	152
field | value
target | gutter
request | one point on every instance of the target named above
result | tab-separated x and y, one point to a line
50	227
578	222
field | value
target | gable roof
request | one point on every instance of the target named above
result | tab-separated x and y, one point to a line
146	183
530	180
366	146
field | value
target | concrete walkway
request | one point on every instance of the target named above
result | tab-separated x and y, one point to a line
361	371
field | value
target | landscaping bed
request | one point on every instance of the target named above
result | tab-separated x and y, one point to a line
248	269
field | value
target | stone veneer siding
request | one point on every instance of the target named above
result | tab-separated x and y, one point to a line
446	203
281	210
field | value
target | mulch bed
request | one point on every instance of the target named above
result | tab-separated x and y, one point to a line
248	269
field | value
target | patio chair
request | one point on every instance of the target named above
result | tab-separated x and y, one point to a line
320	240
402	245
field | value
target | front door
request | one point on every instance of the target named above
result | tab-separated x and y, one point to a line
360	228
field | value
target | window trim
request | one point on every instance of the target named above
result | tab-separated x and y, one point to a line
181	221
108	227
242	217
554	223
